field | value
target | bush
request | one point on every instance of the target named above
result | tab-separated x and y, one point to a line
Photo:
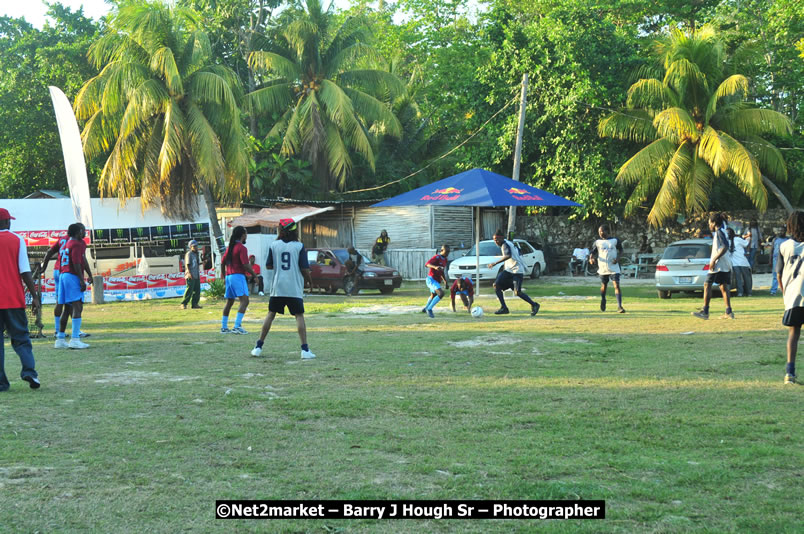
217	288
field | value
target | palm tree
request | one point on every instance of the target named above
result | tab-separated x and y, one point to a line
322	83
162	113
698	127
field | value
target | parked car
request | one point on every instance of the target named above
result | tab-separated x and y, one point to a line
684	267
328	271
489	253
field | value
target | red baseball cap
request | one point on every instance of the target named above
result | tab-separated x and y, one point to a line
287	224
5	215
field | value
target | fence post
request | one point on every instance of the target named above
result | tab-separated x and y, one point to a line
97	290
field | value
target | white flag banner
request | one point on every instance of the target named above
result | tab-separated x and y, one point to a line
73	157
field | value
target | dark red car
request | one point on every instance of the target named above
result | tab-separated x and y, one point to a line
328	270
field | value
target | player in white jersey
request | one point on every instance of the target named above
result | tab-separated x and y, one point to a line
605	252
790	271
511	275
719	267
287	267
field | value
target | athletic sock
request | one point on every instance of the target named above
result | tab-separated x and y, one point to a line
306	347
61	335
239	319
790	368
76	328
427	306
619	300
433	302
260	342
58	322
225	321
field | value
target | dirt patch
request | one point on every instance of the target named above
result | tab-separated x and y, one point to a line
139	377
485	341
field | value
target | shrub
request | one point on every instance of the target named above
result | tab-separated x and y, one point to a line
217	288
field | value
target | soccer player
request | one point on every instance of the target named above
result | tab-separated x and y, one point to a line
605	253
463	286
287	258
235	261
73	265
435	277
719	268
790	273
511	276
55	252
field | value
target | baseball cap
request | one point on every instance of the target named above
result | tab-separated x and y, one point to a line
5	215
192	242
287	224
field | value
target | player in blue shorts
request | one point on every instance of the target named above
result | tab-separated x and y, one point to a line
288	268
435	277
235	262
55	252
464	287
73	265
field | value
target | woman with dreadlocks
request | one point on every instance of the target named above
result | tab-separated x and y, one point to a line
791	283
235	264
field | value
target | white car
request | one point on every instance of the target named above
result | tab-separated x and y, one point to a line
489	253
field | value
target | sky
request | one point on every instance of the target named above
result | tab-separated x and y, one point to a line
34	10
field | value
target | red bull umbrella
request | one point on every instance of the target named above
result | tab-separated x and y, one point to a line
477	187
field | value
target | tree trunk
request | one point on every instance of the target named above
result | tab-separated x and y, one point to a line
778	192
220	242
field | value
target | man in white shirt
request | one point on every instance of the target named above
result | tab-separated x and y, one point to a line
739	263
605	252
511	276
719	268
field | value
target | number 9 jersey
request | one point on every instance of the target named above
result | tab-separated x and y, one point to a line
287	259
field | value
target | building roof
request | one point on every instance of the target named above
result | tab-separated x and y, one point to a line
272	216
47	193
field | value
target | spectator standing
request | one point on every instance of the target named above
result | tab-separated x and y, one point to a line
791	282
719	268
739	263
378	250
257	278
755	236
644	246
781	237
14	266
192	275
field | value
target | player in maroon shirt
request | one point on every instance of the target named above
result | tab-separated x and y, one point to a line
462	286
435	277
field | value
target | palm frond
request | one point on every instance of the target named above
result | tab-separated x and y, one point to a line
651	160
745	122
147	100
669	199
770	159
372	110
270	62
676	124
630	125
348	57
172	141
711	150
650	94
744	171
371	82
164	64
338	160
272	99
699	185
735	85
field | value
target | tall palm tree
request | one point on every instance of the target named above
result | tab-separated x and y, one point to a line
164	115
321	79
699	128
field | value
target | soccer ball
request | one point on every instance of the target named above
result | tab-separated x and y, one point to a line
477	311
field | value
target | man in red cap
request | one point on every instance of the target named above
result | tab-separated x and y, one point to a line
13	266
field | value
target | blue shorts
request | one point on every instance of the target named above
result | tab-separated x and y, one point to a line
69	289
432	284
236	286
56	284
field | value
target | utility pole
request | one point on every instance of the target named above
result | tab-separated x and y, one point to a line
518	149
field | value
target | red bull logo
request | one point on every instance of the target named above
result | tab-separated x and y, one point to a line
522	194
447	193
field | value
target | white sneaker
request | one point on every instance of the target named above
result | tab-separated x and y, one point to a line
307	355
256	351
61	343
239	330
77	344
261	294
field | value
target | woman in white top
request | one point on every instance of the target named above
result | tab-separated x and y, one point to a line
791	282
739	264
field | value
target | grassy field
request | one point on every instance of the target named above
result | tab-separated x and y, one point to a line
680	424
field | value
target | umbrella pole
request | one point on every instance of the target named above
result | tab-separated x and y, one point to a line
477	252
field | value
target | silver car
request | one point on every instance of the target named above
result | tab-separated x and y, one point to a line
683	267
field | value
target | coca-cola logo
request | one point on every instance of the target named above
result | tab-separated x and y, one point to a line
38	235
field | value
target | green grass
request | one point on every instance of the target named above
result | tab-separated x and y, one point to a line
163	415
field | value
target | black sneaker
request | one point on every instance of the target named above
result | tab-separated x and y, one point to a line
424	310
32	381
502	311
620	310
602	304
534	309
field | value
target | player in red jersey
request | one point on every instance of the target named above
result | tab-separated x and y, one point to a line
435	277
462	286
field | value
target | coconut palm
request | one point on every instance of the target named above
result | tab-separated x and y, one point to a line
321	80
699	128
162	113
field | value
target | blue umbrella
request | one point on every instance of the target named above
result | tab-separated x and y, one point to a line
480	188
477	187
